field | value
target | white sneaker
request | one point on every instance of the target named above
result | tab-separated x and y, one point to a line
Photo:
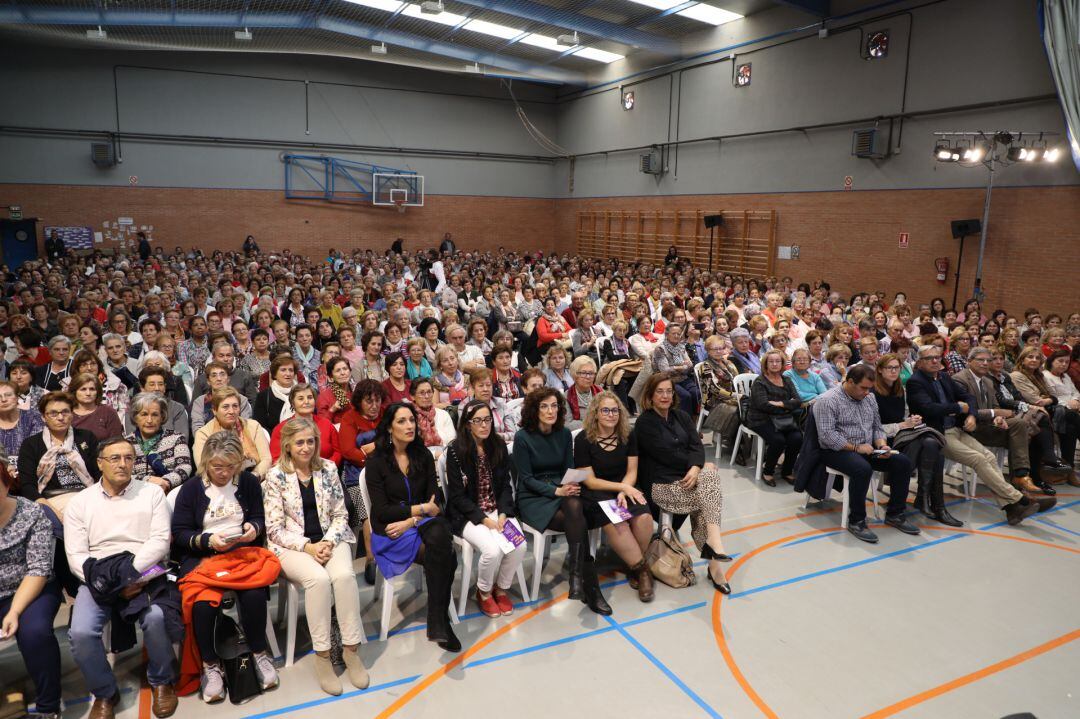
264	667
212	683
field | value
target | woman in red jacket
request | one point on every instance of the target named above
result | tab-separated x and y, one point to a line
551	327
357	436
302	402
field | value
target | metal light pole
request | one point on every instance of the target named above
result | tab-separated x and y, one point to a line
985	222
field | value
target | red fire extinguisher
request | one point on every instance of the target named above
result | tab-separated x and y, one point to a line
942	265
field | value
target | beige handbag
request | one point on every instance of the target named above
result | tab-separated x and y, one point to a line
668	561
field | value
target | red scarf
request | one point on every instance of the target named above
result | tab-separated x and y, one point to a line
426	421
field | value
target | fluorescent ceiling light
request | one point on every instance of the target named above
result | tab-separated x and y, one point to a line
443	18
710	14
544	41
593	53
490	28
660	4
387	5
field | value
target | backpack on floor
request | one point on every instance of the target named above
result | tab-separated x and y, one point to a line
668	561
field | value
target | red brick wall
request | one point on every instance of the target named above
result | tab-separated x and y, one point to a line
221	219
851	239
847	238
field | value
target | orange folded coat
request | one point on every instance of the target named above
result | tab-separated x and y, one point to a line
243	568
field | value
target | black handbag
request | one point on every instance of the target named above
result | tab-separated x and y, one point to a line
783	423
237	660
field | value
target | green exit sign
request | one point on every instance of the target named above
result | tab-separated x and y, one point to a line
16	212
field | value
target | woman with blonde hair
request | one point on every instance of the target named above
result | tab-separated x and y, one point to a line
603	448
307	527
449	379
225	403
556	374
581	393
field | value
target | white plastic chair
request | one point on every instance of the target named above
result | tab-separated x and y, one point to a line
742	389
388	587
970	480
877	480
467	551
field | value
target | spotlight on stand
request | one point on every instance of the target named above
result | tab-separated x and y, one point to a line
974	153
1052	154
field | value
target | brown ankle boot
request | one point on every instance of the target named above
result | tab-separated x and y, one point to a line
640	571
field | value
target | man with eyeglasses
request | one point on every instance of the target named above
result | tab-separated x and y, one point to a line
853	441
114	532
996	426
947	407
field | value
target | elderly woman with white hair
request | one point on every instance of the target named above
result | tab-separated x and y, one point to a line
162	456
174	386
581	392
49	376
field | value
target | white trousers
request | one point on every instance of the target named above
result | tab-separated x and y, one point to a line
492	559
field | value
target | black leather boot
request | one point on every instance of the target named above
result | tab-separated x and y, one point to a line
594	599
575	558
924	497
938	512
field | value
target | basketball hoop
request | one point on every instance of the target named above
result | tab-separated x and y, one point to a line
399	202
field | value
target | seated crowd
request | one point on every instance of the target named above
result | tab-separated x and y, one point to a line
232	419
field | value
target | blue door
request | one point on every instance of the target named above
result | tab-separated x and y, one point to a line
19	241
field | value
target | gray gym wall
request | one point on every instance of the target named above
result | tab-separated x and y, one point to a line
962	52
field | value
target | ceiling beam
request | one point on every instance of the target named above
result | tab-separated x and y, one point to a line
67	16
582	23
818	8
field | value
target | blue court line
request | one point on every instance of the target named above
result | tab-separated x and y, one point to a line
635	622
327	700
880	557
804	540
663	668
1055	525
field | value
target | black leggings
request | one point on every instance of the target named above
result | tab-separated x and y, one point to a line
251	604
570	519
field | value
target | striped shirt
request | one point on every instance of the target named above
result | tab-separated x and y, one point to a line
842	420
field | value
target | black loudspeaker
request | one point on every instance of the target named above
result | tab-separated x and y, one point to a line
965	228
713	220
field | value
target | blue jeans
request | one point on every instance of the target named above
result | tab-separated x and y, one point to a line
38	645
87	622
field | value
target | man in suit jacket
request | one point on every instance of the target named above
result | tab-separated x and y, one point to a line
996	426
243	381
946	406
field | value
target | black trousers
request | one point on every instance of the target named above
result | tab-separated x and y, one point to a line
786	443
439	562
251	604
927	455
897	469
1069	437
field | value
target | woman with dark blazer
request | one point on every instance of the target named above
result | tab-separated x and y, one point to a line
407	525
271	404
480	498
215	514
35	479
543	451
671	459
774	401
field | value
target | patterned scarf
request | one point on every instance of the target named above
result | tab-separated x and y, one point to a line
341	394
426	420
47	466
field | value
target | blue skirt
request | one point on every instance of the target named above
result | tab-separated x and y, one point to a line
395	556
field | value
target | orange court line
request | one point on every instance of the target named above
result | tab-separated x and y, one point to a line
430	679
911	701
144	690
460	658
718	630
974	676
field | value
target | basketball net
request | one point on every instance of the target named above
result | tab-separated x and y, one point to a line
400	205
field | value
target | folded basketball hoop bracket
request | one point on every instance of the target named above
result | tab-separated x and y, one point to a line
398	190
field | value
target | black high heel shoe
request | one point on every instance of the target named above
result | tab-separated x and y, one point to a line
722	587
708	552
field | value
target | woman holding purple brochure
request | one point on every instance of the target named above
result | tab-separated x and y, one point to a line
480	500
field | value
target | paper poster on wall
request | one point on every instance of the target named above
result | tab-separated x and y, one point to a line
98	238
75	238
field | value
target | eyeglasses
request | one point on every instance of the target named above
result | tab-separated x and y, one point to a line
57	413
664	392
120	459
584	373
891	367
480	421
549	407
614	411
